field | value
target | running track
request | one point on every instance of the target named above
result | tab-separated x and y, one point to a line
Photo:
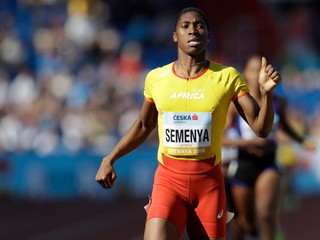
121	220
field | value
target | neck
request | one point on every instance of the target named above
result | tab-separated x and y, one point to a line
192	64
189	70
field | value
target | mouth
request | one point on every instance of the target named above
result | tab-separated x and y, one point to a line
194	42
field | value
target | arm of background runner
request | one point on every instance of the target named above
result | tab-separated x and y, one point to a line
135	136
284	124
226	140
238	141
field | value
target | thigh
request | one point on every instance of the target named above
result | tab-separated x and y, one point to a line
207	214
267	191
244	201
243	181
167	203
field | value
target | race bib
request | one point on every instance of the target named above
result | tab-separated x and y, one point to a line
186	134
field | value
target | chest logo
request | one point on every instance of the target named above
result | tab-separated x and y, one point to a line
187	95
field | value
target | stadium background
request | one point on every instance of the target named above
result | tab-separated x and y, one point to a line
71	82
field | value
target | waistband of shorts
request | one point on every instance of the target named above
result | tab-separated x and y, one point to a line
189	166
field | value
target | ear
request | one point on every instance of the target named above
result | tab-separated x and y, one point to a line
174	37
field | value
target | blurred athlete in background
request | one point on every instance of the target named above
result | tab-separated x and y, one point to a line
189	100
255	174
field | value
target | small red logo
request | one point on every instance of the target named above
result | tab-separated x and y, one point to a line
195	117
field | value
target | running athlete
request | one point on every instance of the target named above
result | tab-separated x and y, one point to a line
188	99
255	176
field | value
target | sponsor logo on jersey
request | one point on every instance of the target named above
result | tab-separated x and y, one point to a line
187	95
162	74
177	117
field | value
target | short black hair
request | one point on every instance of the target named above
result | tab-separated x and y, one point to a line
192	9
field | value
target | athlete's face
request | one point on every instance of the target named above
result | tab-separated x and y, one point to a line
191	34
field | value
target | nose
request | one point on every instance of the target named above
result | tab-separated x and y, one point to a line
193	29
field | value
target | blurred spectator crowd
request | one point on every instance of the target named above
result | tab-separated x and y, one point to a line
70	77
72	72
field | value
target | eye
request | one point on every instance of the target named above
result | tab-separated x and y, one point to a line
184	26
200	26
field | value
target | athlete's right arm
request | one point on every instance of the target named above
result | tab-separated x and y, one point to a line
135	136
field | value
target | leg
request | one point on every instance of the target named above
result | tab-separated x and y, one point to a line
230	201
160	229
207	213
244	202
167	208
267	199
230	207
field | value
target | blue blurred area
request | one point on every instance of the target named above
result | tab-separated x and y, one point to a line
72	76
72	176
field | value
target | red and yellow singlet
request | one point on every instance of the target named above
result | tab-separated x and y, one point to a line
192	112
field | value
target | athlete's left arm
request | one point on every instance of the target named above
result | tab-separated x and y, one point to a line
260	118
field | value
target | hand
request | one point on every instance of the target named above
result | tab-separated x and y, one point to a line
106	174
269	78
309	145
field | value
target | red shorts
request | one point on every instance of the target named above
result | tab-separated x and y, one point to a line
192	194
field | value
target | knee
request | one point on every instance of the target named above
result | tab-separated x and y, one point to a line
245	224
158	228
266	216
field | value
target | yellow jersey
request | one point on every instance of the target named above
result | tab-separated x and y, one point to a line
192	112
